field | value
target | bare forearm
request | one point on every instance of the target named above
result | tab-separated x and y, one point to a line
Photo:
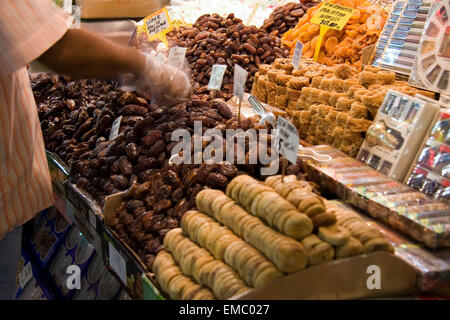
81	54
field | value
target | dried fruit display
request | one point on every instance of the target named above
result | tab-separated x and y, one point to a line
340	46
329	105
286	17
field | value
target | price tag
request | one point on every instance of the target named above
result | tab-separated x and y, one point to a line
287	139
215	82
115	128
297	54
25	275
92	219
157	25
330	15
240	77
117	263
160	57
176	57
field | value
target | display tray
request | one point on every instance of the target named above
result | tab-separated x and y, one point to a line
339	279
403	208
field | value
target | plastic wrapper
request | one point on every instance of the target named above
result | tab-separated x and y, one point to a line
414	214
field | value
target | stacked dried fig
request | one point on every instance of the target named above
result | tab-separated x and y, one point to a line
217	40
286	17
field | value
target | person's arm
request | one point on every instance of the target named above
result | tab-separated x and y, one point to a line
81	54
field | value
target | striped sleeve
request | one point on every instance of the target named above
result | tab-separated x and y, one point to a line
28	28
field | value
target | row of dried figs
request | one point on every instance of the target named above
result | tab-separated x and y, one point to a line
153	208
286	17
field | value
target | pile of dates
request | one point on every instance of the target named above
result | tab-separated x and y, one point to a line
286	17
142	148
76	116
153	208
227	41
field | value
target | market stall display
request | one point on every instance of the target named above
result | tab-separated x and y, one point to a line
403	208
344	46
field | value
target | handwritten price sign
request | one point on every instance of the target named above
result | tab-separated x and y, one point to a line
157	25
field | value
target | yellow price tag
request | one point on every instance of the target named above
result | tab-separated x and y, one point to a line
157	25
330	15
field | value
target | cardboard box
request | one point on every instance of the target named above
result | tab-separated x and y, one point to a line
94	9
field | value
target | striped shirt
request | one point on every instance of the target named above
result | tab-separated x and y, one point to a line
28	28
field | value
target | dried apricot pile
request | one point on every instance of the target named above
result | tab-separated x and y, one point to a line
340	46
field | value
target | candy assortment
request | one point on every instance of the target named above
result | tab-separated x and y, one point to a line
431	173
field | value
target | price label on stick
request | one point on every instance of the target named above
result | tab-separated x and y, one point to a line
157	25
240	77
215	82
115	128
117	263
330	15
176	57
287	139
297	54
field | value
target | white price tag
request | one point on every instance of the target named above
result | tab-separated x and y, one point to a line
25	275
240	77
297	54
157	23
287	139
176	57
117	263
215	82
115	128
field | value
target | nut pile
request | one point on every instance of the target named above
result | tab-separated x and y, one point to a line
217	40
76	116
286	17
